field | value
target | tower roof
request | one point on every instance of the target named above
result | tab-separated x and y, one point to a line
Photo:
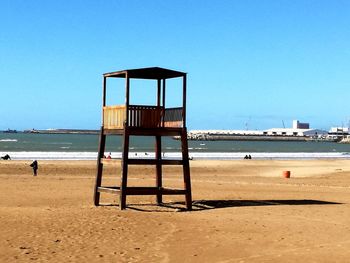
146	73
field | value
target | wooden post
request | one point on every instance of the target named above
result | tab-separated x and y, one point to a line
159	168
186	169
163	102
127	101
125	157
159	149
104	91
163	94
158	92
98	181
101	149
184	101
124	175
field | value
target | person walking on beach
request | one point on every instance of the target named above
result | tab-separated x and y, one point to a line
35	167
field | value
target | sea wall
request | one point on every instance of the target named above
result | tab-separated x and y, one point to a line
62	131
345	140
230	137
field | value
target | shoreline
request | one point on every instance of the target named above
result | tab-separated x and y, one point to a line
61	155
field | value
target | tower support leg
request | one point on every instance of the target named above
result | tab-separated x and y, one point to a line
186	169
101	149
124	174
159	168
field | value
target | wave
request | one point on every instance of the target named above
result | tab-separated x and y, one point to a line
59	143
8	140
175	155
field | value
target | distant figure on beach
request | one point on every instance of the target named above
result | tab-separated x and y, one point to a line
246	157
109	156
6	157
249	156
35	167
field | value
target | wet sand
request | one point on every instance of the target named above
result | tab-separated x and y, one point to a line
243	211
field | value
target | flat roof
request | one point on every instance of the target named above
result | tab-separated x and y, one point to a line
146	73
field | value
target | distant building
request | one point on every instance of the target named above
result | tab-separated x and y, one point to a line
300	125
338	133
339	130
299	129
294	132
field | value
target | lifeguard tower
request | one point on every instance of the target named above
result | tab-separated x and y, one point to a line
144	120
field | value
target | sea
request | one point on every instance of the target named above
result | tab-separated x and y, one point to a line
28	146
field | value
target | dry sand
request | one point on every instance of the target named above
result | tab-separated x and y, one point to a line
244	211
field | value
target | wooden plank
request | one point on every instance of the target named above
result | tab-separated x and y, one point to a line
113	131
113	116
167	191
107	189
171	162
155	131
153	191
139	190
142	190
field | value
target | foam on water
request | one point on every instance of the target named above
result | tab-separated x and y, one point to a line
170	155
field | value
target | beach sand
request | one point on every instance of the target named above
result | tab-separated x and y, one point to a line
243	211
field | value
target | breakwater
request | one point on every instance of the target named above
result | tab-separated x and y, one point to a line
220	137
62	131
252	135
232	135
345	140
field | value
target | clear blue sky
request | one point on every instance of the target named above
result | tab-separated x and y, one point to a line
249	63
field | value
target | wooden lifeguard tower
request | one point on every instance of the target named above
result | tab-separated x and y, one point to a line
144	120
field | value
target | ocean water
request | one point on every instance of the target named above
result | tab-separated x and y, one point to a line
23	146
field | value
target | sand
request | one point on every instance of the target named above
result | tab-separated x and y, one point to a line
244	211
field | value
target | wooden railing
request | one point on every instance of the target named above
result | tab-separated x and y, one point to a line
114	117
143	116
173	117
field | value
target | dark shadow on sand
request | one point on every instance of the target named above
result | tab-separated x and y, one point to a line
213	204
201	205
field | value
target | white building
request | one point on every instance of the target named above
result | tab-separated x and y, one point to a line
339	130
298	129
294	132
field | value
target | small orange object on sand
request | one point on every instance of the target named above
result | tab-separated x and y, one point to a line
286	174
